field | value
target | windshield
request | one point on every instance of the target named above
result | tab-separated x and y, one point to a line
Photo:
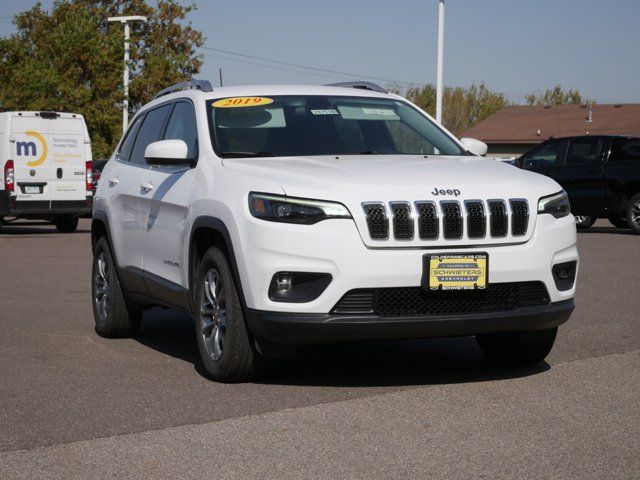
323	125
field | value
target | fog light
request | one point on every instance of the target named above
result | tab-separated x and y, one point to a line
564	274
298	287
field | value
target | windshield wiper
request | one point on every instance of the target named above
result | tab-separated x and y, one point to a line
370	152
245	154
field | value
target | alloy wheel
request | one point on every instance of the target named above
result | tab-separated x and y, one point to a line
101	286
213	315
635	213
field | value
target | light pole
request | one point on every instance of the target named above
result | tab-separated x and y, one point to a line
125	20
440	61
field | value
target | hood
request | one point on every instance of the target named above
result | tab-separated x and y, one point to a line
354	179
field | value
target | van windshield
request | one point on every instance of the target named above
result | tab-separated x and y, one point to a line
244	127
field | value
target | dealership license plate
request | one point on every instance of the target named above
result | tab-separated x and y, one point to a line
467	271
31	189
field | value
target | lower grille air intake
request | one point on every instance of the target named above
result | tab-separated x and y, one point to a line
415	301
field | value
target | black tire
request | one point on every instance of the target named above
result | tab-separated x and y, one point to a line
633	214
223	341
119	319
585	221
618	222
66	224
523	349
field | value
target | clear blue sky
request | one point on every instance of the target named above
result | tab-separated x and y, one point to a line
514	46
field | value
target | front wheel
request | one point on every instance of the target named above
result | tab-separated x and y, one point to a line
633	213
223	341
66	224
585	221
522	349
114	316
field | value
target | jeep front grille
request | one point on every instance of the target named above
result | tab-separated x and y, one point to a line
448	219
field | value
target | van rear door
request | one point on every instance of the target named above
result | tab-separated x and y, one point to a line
32	167
69	151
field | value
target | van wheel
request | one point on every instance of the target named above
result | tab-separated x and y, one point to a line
585	221
223	341
633	213
66	224
522	349
618	222
114	316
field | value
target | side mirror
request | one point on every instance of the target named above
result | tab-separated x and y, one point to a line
475	146
168	152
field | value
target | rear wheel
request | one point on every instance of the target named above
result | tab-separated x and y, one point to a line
633	213
517	348
114	316
223	340
66	224
618	222
585	221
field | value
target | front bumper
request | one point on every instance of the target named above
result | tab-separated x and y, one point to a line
335	247
300	329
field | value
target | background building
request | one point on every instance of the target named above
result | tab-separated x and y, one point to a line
513	130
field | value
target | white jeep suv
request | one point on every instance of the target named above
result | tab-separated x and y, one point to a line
280	216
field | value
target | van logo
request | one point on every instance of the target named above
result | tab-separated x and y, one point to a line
29	149
32	173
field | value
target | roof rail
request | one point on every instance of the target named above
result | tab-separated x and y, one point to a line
203	85
361	85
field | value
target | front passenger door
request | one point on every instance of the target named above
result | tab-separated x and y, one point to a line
165	208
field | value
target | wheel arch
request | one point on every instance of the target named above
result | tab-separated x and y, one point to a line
209	232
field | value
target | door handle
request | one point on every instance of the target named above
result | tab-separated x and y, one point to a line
146	187
113	181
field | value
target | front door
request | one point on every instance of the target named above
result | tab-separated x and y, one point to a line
165	206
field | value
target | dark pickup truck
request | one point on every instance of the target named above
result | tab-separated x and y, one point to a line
601	174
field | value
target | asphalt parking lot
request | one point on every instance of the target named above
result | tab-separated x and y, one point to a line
74	405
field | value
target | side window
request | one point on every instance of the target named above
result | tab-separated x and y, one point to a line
624	150
582	152
125	150
150	131
546	156
182	126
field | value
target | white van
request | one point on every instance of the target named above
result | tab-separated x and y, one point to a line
45	167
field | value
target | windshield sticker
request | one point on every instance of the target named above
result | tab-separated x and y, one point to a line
329	111
236	102
379	111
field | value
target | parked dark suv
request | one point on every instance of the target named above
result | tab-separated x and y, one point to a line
600	173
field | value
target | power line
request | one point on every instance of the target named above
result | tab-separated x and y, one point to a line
342	74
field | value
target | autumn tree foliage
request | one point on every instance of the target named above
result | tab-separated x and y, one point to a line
70	59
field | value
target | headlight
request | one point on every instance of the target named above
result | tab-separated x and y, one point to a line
279	208
556	205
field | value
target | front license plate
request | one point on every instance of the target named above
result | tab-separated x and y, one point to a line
467	271
31	189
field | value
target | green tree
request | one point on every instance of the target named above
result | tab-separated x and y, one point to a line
462	107
556	96
70	59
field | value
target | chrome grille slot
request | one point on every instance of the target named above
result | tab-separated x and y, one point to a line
428	223
498	218
476	219
451	220
519	217
377	221
402	220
